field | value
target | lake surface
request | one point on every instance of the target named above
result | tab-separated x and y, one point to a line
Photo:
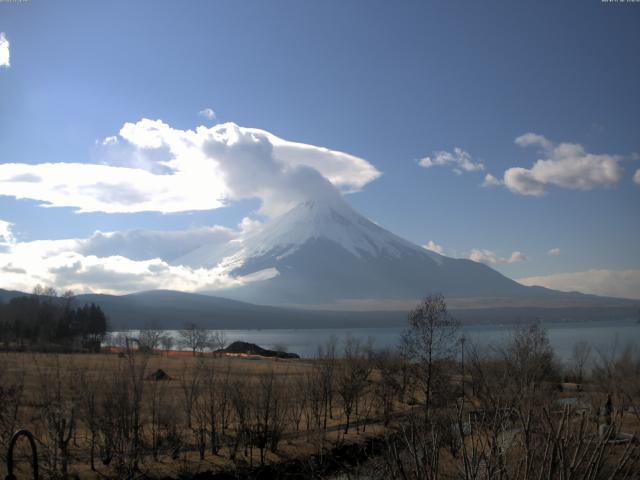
602	335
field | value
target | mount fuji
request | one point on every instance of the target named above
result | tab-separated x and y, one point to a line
324	254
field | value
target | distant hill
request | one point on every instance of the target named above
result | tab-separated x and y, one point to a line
6	295
171	310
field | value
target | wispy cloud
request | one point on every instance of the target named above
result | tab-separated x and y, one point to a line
208	113
459	160
4	51
554	252
566	165
636	177
614	283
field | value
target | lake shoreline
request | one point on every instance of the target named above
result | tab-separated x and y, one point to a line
601	334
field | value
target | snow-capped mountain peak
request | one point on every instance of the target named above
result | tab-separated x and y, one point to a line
332	220
328	219
323	251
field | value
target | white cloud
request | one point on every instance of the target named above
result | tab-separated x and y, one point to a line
158	168
533	139
208	113
4	51
491	181
149	244
122	262
460	160
434	247
636	177
566	165
554	252
490	257
6	235
113	140
614	283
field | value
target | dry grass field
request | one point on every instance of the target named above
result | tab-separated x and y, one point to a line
175	416
365	414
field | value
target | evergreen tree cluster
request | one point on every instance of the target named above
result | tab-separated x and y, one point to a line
46	321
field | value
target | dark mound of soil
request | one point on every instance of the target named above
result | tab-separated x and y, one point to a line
159	375
253	349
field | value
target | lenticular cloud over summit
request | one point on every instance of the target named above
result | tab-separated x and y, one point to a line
150	166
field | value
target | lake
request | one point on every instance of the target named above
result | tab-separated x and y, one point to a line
602	335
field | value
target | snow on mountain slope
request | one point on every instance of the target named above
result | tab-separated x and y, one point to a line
335	221
332	220
323	252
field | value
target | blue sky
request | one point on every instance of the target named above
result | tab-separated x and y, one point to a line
386	82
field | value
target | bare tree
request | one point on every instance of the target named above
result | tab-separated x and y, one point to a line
353	376
530	360
326	368
213	385
136	370
428	342
59	405
387	388
617	372
90	383
267	411
522	369
190	386
581	354
315	393
167	342
11	395
149	337
240	398
217	340
297	400
198	339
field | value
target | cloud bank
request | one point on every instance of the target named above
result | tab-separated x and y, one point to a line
565	165
119	262
4	51
612	283
150	166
